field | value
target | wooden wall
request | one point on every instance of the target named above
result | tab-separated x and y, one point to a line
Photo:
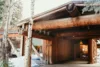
76	51
47	51
57	50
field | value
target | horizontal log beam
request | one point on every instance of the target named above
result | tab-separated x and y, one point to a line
37	35
73	10
86	33
67	22
82	37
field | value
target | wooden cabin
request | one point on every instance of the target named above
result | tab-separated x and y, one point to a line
64	30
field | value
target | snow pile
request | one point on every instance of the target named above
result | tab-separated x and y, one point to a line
35	57
19	62
98	55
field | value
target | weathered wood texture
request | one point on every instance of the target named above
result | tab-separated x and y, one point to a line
57	50
78	34
22	44
13	47
67	22
92	48
10	35
38	35
62	50
76	51
47	51
72	10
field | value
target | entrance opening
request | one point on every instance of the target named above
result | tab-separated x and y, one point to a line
80	51
83	50
37	54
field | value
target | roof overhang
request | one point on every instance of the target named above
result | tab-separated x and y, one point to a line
55	13
48	24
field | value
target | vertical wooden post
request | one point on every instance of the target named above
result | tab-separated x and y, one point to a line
22	46
44	50
47	51
13	47
74	51
92	51
22	42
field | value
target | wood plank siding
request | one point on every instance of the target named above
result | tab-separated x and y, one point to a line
57	50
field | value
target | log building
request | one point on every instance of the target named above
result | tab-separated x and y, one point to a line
64	30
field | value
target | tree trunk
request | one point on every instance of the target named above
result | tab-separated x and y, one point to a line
6	20
28	47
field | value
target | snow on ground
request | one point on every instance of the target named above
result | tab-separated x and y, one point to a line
19	62
98	55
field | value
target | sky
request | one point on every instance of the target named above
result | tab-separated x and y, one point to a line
37	42
40	6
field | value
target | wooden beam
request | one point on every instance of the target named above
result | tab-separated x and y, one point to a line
85	33
36	52
37	35
67	22
13	47
22	46
82	37
72	10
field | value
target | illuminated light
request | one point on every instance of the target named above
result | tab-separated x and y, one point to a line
81	42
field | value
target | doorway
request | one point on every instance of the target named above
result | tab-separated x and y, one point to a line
80	50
